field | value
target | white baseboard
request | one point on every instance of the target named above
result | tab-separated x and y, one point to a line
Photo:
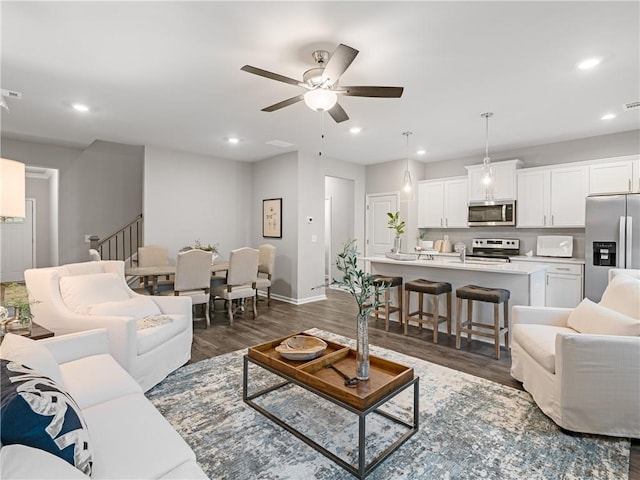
293	301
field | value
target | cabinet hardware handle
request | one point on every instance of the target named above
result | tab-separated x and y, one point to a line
547	279
441	221
446	222
544	221
629	184
563	268
552	220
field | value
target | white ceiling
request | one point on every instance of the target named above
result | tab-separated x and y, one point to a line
168	74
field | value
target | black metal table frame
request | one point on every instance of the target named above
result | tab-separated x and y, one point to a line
363	468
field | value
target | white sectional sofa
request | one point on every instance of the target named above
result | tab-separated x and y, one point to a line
582	365
127	437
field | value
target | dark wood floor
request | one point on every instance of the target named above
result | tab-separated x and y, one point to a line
337	315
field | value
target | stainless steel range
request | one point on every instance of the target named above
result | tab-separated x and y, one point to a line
494	249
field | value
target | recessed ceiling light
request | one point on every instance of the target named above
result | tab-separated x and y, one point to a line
233	140
589	63
355	130
608	116
421	152
80	107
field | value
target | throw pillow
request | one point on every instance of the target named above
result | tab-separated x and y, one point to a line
136	307
37	412
30	353
589	317
79	292
623	295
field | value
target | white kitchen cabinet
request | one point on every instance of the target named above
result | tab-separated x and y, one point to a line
552	197
442	203
504	177
564	282
614	177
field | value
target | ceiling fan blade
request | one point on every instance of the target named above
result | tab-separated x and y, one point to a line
284	103
383	92
338	113
339	61
271	75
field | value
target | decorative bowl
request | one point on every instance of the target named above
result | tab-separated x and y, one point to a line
301	347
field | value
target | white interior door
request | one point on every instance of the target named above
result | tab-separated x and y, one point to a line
379	235
17	242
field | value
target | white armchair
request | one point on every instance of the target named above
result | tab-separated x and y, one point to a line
149	336
582	365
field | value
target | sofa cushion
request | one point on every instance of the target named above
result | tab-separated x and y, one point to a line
32	354
20	461
80	292
37	412
589	317
539	341
152	447
89	389
150	338
136	307
623	295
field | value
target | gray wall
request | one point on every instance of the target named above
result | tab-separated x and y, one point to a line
592	148
190	197
100	188
277	177
38	188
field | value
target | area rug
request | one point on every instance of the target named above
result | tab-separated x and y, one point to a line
470	428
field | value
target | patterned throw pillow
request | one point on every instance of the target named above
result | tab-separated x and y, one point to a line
37	412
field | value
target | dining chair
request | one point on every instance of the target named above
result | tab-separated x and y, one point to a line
193	274
150	256
266	262
241	279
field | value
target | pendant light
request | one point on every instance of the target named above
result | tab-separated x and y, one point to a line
406	182
486	173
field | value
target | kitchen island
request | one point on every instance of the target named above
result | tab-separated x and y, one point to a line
525	281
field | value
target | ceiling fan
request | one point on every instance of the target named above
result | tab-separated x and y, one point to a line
321	83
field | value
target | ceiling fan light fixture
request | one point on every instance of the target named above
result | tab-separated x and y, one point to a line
320	99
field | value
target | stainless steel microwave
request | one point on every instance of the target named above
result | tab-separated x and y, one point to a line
492	213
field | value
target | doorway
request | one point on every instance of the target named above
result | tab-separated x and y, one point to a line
18	244
339	214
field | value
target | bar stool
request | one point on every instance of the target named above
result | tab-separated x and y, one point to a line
386	308
483	294
435	289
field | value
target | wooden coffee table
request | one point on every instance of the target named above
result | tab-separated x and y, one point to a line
387	379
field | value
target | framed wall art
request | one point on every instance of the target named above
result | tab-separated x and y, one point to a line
272	218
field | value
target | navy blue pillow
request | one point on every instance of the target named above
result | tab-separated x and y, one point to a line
37	412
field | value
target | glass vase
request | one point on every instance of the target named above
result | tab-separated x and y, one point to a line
20	324
362	347
397	244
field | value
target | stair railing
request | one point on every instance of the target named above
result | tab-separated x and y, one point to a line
121	245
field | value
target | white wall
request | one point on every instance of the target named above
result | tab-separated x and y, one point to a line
189	197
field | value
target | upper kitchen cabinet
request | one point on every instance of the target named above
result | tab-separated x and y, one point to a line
442	203
504	175
615	176
552	197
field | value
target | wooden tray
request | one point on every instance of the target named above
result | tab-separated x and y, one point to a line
385	375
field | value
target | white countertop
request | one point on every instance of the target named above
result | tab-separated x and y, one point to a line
453	263
524	258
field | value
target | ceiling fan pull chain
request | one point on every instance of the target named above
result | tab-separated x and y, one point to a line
321	132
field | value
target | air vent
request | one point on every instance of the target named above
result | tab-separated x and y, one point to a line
631	106
280	143
11	94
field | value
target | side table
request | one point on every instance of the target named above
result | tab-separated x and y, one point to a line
38	332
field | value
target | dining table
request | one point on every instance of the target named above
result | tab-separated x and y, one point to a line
151	273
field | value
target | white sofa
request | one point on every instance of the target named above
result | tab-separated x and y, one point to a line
582	365
85	296
127	436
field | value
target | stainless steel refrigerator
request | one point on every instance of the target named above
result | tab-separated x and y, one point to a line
612	239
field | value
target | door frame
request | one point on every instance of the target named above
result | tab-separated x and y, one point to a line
367	226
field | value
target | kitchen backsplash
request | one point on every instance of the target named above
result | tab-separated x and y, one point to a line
527	236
